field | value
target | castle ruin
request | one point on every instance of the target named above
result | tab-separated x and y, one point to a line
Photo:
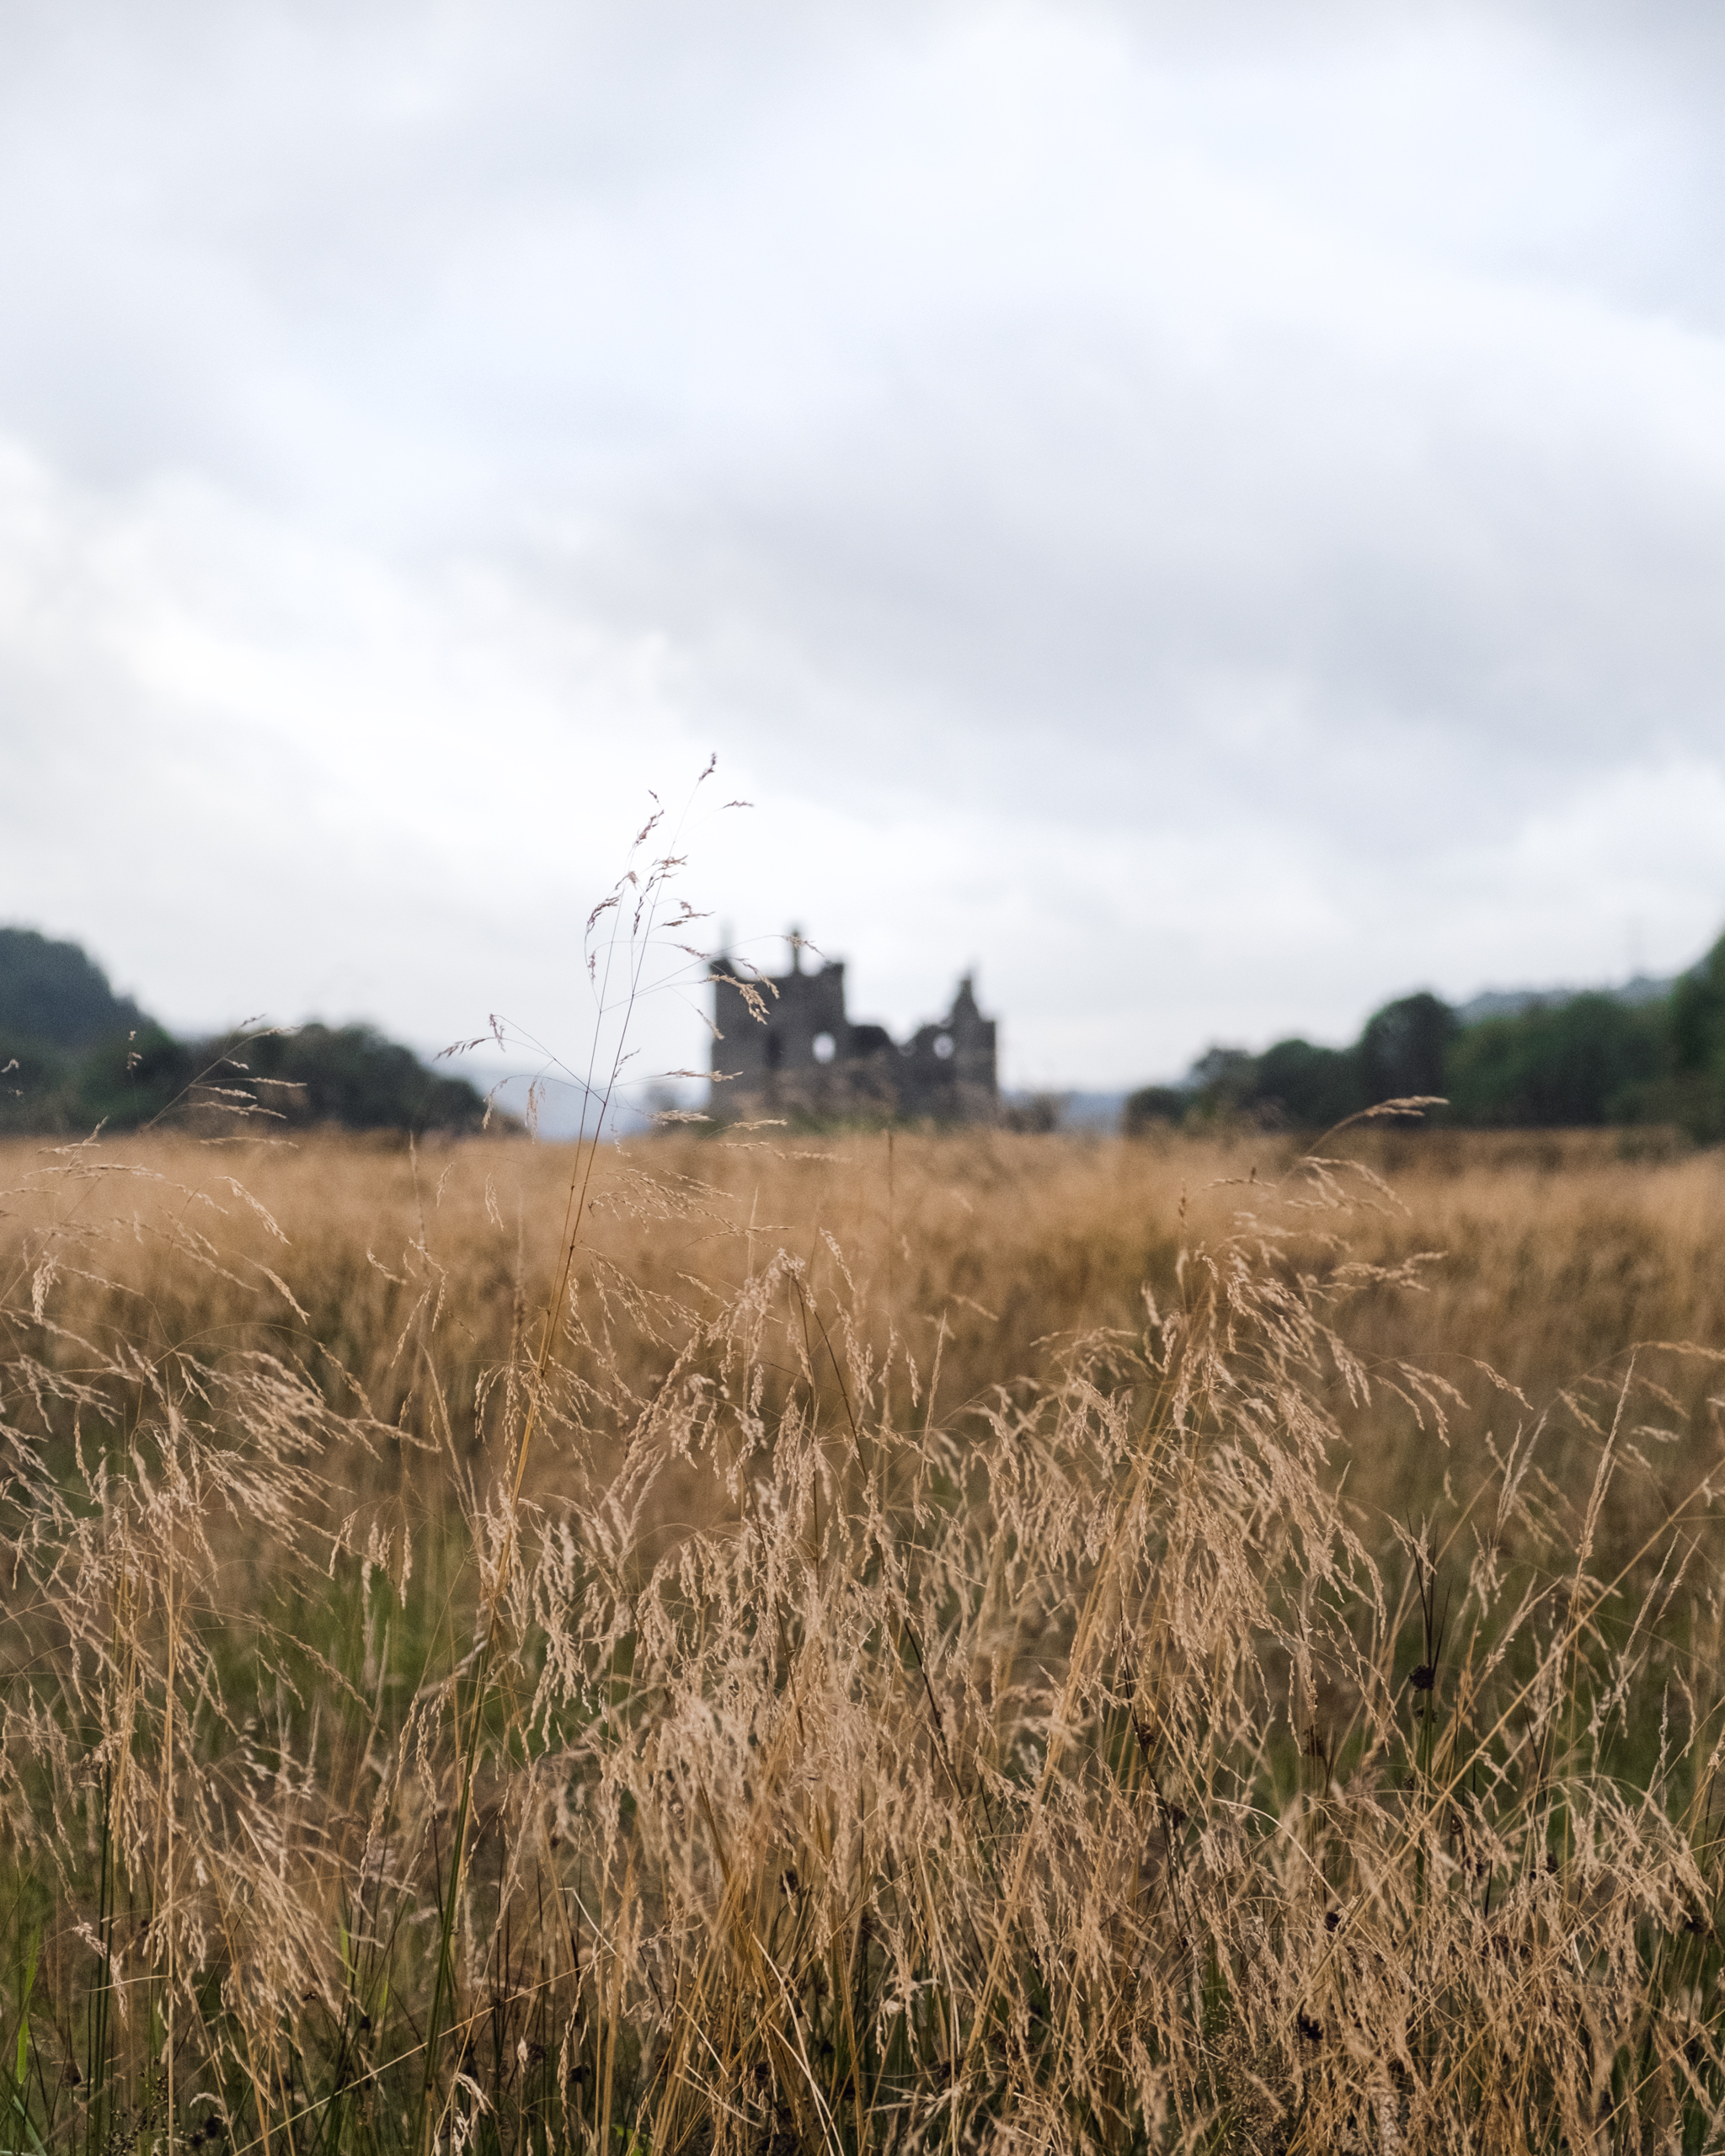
784	1045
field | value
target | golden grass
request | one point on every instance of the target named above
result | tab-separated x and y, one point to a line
958	1640
416	1274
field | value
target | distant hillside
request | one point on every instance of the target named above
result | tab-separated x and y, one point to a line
54	994
1511	1002
73	1056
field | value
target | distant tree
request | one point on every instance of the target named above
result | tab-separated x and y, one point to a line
1222	1069
1401	1051
1037	1114
1153	1106
352	1076
75	1057
1698	1017
1693	1095
1306	1087
1291	1085
134	1079
55	994
35	1086
1221	1082
1587	1061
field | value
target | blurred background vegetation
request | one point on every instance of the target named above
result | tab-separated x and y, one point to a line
74	1055
1566	1062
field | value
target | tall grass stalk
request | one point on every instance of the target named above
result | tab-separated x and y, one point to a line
616	968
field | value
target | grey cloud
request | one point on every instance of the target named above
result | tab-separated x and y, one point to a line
1245	445
1347	588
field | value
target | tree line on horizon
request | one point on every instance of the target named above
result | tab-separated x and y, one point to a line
1570	1062
75	1057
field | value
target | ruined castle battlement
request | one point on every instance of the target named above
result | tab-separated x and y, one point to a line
785	1044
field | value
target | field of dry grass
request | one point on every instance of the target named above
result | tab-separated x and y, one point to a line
940	1639
415	1275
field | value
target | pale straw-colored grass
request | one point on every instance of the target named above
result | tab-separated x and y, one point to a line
991	1641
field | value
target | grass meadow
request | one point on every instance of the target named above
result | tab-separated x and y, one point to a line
752	1644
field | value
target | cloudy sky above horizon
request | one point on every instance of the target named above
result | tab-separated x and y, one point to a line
1212	524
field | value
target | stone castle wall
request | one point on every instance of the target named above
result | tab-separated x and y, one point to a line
786	1045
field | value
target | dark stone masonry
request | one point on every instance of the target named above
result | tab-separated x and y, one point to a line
784	1045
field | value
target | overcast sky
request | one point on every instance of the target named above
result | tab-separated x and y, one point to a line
1212	527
